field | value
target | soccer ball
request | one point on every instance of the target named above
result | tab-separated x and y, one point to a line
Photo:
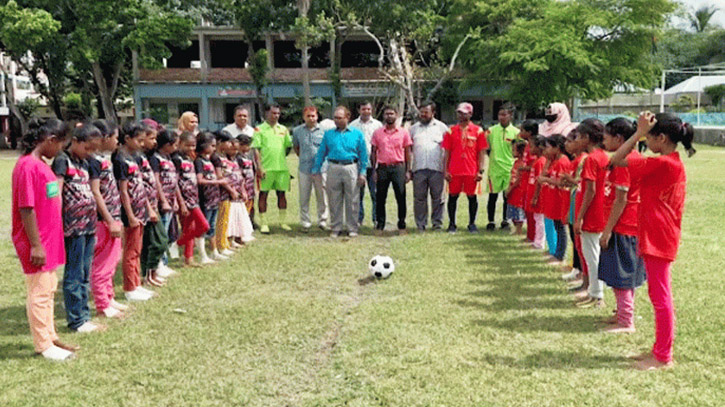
381	266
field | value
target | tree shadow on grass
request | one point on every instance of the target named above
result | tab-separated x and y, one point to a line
548	359
13	321
580	323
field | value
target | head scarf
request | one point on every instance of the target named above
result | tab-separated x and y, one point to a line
562	124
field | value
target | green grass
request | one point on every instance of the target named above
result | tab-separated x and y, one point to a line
465	321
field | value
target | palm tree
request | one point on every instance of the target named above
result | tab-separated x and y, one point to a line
700	18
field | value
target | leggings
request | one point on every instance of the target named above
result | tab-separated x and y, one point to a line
194	225
659	287
576	263
560	240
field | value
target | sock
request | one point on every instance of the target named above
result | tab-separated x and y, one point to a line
262	216
283	216
472	209
452	206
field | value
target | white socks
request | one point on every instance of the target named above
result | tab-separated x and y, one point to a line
201	244
57	354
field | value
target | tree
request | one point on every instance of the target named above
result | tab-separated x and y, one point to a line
24	32
716	94
700	18
562	50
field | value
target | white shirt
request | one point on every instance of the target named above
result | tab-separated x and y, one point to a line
234	130
367	128
427	139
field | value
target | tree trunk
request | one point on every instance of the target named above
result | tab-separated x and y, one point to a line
105	93
306	75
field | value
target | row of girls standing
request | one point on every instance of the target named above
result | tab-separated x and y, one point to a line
624	213
100	203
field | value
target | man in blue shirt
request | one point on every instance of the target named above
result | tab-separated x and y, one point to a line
306	139
344	148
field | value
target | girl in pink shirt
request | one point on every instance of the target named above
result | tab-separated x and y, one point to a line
39	245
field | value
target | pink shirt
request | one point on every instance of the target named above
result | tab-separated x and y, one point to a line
35	186
391	144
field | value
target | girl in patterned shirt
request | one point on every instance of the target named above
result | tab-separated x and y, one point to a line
167	185
224	168
209	192
109	229
193	222
135	211
79	224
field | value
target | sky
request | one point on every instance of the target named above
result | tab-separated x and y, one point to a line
718	18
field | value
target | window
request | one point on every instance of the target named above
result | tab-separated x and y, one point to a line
182	57
286	55
159	112
359	54
228	53
189	107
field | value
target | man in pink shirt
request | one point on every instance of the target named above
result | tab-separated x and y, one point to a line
390	159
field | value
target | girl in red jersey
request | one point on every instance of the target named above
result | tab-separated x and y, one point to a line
555	203
529	130
590	220
620	266
515	193
536	145
662	199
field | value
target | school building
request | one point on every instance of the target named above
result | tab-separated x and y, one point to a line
210	78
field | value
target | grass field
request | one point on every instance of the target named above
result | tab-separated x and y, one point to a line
466	320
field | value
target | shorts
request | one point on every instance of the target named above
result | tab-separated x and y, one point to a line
275	181
515	214
464	183
210	215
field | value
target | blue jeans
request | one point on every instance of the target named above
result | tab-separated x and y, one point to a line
373	192
166	221
210	215
79	256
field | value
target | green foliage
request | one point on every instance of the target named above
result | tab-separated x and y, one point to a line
716	93
28	107
259	69
683	103
26	29
72	100
558	50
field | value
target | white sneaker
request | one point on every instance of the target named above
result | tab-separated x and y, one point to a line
88	326
227	252
146	291
117	305
219	257
236	245
323	225
306	225
164	272
174	251
137	295
352	234
207	260
57	354
111	312
570	276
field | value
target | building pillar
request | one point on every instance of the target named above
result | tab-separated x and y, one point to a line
204	112
269	44
203	57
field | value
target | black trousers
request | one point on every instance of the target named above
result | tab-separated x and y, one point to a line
390	175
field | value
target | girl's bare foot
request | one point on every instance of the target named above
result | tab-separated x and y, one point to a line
619	329
650	363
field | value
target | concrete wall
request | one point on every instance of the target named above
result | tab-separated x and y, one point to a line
710	135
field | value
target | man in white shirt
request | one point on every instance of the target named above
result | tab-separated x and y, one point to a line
241	123
367	125
427	135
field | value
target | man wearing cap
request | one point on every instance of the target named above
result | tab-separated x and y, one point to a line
390	159
427	136
464	162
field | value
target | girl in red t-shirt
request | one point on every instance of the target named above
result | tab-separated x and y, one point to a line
515	193
570	181
590	219
662	200
37	232
536	146
529	130
555	202
620	266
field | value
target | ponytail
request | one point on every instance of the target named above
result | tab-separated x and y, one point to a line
675	130
39	130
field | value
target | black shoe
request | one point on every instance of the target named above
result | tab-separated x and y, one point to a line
452	228
421	229
491	226
505	225
472	228
437	227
